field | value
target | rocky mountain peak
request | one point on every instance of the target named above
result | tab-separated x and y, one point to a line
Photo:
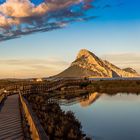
84	53
85	56
87	64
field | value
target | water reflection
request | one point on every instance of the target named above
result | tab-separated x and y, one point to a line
84	100
88	99
108	117
91	98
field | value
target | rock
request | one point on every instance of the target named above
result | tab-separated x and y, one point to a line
87	64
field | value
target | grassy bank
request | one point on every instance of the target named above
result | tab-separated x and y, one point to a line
58	125
128	86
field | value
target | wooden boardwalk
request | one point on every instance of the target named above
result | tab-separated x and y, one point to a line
10	120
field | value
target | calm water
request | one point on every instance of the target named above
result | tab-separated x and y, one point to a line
105	117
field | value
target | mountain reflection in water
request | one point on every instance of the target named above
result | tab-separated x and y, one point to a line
84	101
90	99
107	117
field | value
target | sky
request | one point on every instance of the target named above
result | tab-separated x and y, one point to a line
41	38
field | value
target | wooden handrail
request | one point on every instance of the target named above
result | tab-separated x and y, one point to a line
37	132
2	95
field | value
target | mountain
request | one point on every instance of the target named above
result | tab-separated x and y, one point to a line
130	70
87	64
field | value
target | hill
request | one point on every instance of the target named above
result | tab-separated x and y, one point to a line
87	64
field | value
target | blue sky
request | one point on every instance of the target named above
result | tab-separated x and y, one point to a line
113	35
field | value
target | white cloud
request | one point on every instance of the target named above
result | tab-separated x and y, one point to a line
17	9
7	21
21	17
24	8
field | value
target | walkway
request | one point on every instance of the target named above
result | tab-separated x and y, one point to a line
10	120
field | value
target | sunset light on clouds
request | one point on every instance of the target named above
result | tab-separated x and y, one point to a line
22	17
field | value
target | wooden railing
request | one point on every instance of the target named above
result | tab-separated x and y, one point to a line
37	132
48	87
2	95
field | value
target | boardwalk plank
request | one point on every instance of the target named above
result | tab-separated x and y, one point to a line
10	120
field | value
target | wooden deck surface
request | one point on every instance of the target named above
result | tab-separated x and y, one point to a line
10	120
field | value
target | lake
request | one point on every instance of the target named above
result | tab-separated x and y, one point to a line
105	117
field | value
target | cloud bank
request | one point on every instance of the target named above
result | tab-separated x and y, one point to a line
22	17
25	68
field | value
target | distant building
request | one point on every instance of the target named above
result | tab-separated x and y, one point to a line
39	80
